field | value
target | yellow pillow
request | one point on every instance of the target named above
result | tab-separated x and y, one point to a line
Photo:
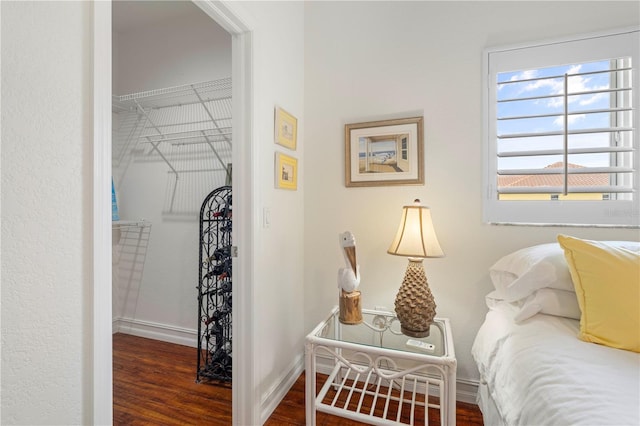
607	283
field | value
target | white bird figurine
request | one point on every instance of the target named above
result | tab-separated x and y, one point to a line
349	276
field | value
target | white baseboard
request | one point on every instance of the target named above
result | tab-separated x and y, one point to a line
271	398
467	390
156	331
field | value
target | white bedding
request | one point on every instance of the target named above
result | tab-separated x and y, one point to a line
539	373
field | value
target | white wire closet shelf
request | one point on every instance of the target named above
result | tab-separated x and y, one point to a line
187	127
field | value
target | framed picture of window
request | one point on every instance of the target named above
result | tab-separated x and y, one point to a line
381	153
286	129
286	172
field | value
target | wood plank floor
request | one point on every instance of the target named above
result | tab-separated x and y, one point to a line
154	384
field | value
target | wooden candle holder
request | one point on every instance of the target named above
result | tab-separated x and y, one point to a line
350	307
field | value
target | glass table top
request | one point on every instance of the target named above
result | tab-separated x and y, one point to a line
382	329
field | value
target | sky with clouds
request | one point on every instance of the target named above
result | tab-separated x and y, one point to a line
540	92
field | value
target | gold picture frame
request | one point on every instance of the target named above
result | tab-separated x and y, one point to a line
286	129
286	172
383	153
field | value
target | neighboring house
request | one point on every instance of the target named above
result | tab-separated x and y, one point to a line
554	180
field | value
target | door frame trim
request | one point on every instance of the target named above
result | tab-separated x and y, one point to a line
245	407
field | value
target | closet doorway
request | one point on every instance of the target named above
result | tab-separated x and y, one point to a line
245	407
171	146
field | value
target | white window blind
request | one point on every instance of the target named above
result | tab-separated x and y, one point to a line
561	136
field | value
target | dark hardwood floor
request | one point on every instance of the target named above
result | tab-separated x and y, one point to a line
154	384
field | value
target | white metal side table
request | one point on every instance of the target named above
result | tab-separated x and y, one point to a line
376	374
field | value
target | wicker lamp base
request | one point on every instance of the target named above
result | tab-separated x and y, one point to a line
415	306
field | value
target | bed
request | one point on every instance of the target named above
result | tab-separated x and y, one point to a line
535	351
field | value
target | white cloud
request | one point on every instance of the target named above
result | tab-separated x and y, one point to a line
559	121
555	86
593	98
577	84
574	69
525	75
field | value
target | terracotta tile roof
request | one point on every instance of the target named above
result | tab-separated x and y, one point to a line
587	179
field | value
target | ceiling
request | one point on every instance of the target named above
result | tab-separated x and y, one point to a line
129	15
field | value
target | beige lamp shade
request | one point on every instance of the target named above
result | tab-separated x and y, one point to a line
416	236
416	239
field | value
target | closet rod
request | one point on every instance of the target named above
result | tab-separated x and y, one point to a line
186	123
185	137
185	142
168	135
175	104
201	170
118	224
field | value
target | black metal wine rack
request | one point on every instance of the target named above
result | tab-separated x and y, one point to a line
214	287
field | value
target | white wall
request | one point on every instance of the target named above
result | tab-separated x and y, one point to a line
47	200
278	54
188	48
47	286
350	73
374	60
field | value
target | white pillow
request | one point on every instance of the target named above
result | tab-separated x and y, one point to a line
518	274
549	301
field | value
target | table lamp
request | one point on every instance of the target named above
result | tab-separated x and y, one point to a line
416	239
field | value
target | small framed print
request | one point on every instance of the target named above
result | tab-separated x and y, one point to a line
382	153
286	172
286	128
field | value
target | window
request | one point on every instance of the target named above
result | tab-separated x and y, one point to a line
561	136
404	148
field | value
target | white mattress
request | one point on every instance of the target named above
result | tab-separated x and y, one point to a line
539	373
